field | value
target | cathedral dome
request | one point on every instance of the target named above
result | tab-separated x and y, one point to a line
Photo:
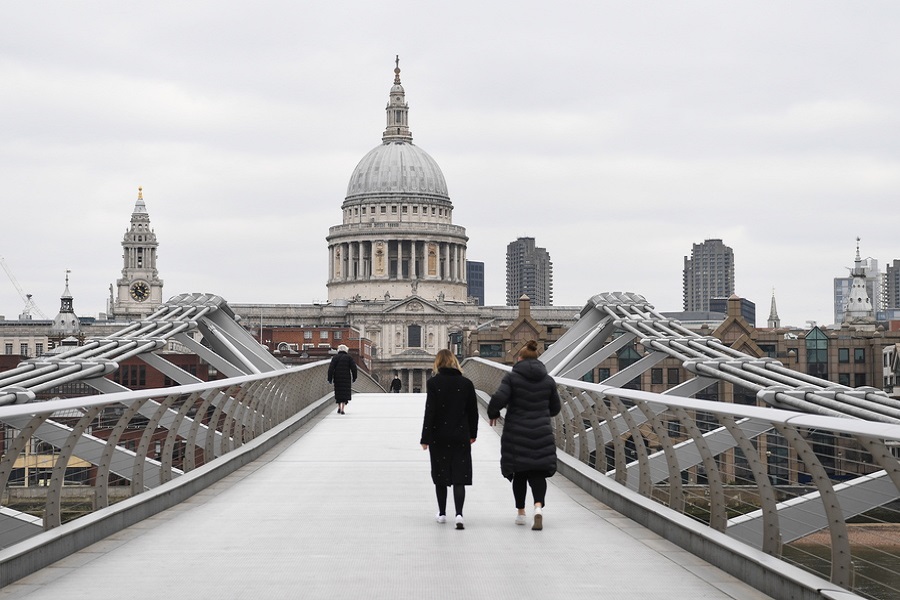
399	168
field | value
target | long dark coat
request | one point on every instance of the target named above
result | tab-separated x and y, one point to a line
342	372
449	426
530	398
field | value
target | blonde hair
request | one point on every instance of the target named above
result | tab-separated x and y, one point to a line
446	359
529	350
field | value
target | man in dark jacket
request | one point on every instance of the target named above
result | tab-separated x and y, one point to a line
527	445
342	372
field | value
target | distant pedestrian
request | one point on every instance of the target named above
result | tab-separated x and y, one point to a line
527	445
396	384
449	429
342	372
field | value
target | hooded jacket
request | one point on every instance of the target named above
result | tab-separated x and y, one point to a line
530	398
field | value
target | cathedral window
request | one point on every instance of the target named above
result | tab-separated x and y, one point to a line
415	210
383	209
404	209
414	336
394	209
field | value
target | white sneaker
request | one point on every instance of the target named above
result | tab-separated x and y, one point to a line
459	522
538	519
441	518
520	519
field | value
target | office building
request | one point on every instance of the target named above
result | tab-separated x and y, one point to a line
529	272
708	273
475	281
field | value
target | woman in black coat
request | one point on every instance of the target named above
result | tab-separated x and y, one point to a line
342	371
449	429
527	445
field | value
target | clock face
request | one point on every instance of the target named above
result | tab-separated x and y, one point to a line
140	291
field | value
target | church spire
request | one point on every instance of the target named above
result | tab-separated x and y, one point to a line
774	321
858	306
397	109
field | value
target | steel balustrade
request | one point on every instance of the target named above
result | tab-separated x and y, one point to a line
674	450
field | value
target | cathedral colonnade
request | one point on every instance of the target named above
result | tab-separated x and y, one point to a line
397	259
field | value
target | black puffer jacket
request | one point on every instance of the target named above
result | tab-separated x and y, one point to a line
530	398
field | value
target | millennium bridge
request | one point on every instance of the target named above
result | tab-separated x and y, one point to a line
252	486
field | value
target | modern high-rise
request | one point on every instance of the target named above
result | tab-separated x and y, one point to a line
529	271
892	285
708	273
475	280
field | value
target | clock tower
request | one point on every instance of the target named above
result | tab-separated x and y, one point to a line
139	290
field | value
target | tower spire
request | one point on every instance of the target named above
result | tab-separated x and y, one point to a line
774	320
397	130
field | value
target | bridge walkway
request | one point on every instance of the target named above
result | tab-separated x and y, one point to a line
345	509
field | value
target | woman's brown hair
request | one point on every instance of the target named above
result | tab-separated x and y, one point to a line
446	359
530	350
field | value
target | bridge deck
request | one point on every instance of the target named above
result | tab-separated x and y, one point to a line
346	509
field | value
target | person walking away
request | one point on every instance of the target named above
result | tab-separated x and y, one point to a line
396	384
342	372
449	429
527	446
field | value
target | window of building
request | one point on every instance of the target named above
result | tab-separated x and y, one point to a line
404	207
363	210
817	353
859	379
23	349
414	336
588	377
490	350
626	357
770	350
38	349
656	376
859	355
323	335
307	335
415	210
383	209
673	374
8	349
844	379
674	428
602	374
338	335
394	209
843	355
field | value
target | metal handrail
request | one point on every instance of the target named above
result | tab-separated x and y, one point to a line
771	478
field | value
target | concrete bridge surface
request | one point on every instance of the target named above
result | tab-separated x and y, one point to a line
345	509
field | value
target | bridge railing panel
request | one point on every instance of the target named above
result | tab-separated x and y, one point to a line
820	492
62	459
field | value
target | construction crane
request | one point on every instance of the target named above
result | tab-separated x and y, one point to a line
26	298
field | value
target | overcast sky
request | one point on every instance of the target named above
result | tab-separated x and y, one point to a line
617	134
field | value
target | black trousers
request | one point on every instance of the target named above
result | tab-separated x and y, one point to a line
538	483
459	498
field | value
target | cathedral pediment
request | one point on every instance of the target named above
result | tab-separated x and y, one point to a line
415	305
